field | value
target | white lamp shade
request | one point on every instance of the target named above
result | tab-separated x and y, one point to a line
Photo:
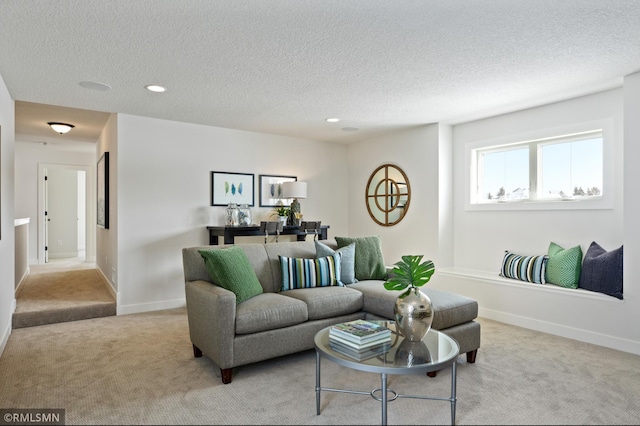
294	189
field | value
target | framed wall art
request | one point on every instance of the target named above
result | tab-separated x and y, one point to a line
229	187
103	191
271	190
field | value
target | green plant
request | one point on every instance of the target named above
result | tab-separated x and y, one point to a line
282	211
409	272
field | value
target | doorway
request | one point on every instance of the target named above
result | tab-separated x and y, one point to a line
66	212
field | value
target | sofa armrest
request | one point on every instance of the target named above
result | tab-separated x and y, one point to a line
211	312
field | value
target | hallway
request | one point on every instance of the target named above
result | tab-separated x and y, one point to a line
61	290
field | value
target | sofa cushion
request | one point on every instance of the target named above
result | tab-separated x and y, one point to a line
230	269
602	270
347	260
269	311
328	302
309	273
449	309
369	261
563	266
524	268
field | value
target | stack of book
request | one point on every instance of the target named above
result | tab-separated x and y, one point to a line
360	339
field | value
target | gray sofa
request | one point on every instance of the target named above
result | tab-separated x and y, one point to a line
277	323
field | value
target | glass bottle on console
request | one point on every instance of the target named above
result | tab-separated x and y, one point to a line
244	215
231	214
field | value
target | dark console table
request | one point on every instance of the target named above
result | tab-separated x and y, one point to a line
231	232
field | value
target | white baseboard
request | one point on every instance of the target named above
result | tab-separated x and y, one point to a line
150	307
22	279
107	283
582	335
63	255
6	333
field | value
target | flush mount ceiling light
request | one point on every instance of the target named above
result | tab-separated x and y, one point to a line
332	120
155	88
61	128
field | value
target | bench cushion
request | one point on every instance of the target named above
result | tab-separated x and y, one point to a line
268	311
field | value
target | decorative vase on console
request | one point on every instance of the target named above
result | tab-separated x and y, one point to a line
231	214
244	215
413	310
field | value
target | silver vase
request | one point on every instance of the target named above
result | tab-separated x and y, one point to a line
414	314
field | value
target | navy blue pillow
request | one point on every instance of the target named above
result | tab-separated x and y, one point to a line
602	271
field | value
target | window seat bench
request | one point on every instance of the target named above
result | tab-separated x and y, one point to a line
494	278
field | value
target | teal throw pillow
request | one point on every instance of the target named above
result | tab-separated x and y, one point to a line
230	269
309	273
564	266
369	262
524	268
347	260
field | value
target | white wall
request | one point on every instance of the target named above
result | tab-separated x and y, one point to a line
28	157
417	152
163	195
7	233
480	237
107	239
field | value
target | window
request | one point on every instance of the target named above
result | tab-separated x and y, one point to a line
561	168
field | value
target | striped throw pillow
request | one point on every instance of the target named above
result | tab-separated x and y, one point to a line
524	268
309	273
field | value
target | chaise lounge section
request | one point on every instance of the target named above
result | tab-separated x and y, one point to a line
274	323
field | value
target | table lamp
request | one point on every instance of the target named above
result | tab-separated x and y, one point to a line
296	190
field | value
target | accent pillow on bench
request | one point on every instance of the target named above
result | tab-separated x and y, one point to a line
524	268
564	266
602	271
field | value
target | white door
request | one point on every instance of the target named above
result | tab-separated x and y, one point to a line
46	217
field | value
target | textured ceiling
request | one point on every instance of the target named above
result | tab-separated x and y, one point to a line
283	66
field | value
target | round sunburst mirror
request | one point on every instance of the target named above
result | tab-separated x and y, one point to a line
388	194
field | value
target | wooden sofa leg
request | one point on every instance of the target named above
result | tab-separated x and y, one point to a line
197	353
226	375
471	358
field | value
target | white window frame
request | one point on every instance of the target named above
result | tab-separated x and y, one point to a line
535	139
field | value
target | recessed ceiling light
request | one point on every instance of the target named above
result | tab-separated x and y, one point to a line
350	129
94	85
332	120
155	88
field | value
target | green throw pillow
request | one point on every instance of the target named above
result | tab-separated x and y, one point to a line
369	262
230	269
564	266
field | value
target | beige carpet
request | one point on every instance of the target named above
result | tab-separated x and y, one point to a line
62	290
140	369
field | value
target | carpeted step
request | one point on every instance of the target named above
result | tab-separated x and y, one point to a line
52	316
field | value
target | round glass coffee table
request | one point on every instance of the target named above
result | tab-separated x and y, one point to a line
435	352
